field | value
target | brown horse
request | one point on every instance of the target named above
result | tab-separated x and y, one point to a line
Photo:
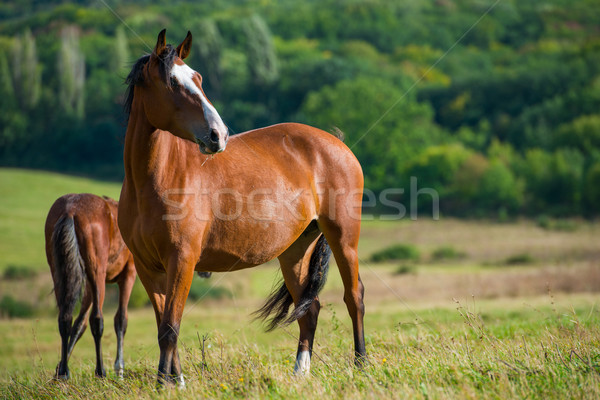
83	244
288	191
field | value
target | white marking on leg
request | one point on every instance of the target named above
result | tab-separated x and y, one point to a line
302	366
180	382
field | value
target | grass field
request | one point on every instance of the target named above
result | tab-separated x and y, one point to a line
513	313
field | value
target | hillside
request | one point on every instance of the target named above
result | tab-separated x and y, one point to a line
494	105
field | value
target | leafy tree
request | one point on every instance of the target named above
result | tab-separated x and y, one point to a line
26	71
208	51
383	137
71	73
12	121
591	189
260	52
583	134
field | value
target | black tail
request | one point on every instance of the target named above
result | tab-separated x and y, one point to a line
280	300
68	265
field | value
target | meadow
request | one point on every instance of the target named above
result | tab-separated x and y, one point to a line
480	309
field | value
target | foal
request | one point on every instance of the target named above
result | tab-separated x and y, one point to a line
85	249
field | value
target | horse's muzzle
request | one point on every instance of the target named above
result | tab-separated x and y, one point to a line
214	142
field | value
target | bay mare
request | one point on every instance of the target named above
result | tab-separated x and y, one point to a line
194	199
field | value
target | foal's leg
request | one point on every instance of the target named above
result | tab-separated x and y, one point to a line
64	327
294	267
81	321
125	285
342	235
97	320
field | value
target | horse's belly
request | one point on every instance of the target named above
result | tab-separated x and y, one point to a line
244	244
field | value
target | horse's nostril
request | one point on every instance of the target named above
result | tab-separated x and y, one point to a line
214	136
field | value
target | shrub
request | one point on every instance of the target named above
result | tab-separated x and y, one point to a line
564	225
11	308
139	298
18	272
397	252
447	253
206	289
518	259
405	269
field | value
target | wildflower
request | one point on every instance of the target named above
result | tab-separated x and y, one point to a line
223	386
384	360
241	379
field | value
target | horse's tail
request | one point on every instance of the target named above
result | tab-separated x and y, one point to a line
69	274
338	133
280	299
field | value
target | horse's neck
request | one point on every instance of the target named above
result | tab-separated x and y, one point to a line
147	154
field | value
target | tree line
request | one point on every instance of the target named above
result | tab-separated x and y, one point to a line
500	114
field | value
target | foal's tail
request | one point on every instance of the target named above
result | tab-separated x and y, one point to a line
280	299
69	275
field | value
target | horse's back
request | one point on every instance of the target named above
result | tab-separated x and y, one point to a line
95	224
293	148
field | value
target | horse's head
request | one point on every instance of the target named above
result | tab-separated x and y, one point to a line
173	99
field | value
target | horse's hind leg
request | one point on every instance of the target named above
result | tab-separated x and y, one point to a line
64	327
294	267
125	286
97	320
342	235
81	320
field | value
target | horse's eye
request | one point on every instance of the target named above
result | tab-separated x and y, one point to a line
174	82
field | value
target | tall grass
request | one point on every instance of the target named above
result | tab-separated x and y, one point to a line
547	350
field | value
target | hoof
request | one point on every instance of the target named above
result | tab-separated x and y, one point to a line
101	374
61	375
361	362
119	373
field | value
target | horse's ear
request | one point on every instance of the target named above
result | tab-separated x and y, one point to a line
183	50
160	43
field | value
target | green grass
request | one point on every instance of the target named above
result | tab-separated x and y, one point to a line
529	331
26	199
546	348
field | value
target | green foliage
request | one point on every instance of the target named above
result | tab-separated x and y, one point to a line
380	139
261	58
447	253
71	73
406	269
583	133
18	272
11	308
514	102
206	289
139	297
519	259
565	225
397	252
553	180
592	188
26	71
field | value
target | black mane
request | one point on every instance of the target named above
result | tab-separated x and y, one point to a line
136	76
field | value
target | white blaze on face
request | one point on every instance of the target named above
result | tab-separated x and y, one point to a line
302	366
184	76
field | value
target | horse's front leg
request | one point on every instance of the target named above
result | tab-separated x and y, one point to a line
180	272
